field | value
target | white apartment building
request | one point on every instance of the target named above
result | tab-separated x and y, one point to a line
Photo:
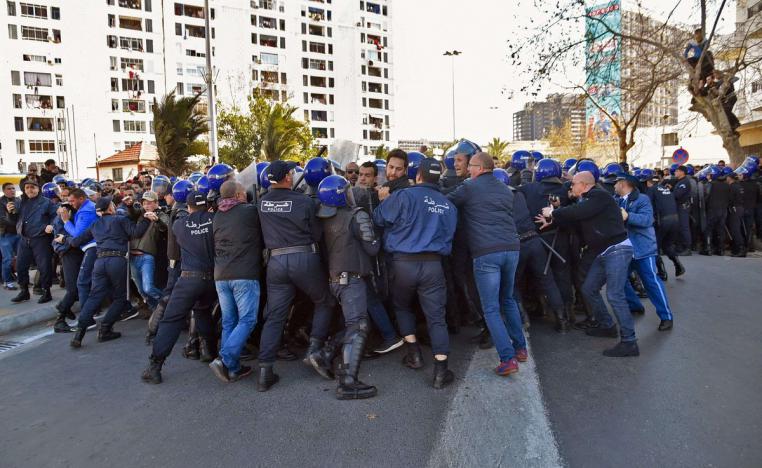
80	79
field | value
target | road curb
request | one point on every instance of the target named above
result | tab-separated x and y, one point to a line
496	421
22	319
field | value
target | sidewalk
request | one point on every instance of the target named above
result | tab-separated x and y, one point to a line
17	316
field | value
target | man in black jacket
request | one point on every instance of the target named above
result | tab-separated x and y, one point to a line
735	216
750	196
601	224
237	270
9	239
34	222
50	170
717	204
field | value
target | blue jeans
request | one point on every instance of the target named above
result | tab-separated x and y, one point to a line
494	275
611	269
8	245
239	303
85	276
141	270
646	269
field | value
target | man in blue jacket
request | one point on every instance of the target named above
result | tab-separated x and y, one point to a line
639	219
487	208
419	224
34	223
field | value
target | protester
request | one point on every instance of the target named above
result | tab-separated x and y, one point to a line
9	239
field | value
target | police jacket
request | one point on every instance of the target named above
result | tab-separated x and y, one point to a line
195	235
366	198
7	224
350	242
524	223
449	185
237	242
717	197
33	215
682	189
486	205
153	240
83	218
179	210
750	194
418	219
288	219
598	219
663	202
538	196
639	223
608	185
60	248
111	232
736	196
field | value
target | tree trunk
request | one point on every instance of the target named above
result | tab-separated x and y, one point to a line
711	108
624	146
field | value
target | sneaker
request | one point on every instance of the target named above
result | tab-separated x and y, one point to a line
623	349
508	367
129	314
522	355
10	287
388	346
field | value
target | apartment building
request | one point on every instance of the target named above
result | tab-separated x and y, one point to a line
538	118
82	79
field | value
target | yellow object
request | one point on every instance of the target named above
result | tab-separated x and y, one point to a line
13	178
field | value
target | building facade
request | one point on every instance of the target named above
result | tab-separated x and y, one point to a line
82	80
538	118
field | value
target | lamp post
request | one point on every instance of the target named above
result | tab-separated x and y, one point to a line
452	54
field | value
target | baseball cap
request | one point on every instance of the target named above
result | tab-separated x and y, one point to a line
196	198
150	196
103	204
29	181
430	167
279	169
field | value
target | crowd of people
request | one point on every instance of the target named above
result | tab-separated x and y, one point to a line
352	263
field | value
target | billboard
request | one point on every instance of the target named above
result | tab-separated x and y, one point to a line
603	82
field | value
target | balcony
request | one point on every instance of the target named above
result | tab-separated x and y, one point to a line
319	116
39	124
189	10
268	41
132	4
376	122
267	23
320	132
131	105
374	71
317	47
318	99
316	30
375	103
376	136
318	81
195	31
126	22
316	14
373	8
270	77
375	87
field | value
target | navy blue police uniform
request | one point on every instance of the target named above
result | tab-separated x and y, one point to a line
682	190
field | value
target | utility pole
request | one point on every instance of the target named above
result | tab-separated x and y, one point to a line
452	54
210	85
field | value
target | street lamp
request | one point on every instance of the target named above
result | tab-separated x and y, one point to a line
452	54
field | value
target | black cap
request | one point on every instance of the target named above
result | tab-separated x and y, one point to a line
195	198
430	168
277	170
30	181
103	203
629	178
682	168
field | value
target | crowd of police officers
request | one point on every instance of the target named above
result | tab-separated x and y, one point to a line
362	260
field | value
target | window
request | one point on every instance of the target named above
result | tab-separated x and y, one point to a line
34	11
115	125
114	105
17	101
114	84
18	124
178	29
149	46
36	101
131	43
669	139
116	173
134	126
55	13
268	23
56	36
37	79
127	22
111	41
20	147
131	64
180	89
34	34
60	102
756	86
150	87
57	60
12	32
42	146
11	8
148	5
317	47
269	59
149	25
268	41
59	80
132	84
112	63
131	105
39	124
195	31
15	78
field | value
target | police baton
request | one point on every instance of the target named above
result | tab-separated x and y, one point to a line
551	252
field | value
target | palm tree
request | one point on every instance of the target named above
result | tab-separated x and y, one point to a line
177	124
381	152
283	136
497	147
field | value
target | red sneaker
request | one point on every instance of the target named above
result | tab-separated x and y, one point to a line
508	367
522	355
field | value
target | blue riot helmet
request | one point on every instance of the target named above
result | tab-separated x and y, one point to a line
335	167
586	165
218	174
645	174
449	159
195	176
202	185
636	173
569	163
316	170
611	170
333	192
547	168
751	164
87	182
181	189
173	180
714	171
537	156
51	190
743	172
701	175
264	181
71	183
726	170
467	147
519	159
689	169
59	179
414	159
160	184
502	175
260	167
673	168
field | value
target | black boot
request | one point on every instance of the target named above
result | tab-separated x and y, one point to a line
661	272
350	387
442	375
106	333
207	350
562	323
46	296
322	360
79	335
190	350
22	296
153	321
152	373
267	378
413	357
314	347
569	314
61	326
679	268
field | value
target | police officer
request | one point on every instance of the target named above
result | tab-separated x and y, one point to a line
350	244
682	190
291	233
666	222
518	164
735	216
717	202
194	288
112	235
751	195
419	223
608	176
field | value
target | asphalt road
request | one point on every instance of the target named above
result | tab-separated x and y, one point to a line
691	399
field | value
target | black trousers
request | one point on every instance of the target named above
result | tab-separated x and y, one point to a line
109	278
353	298
424	280
189	293
684	235
735	220
562	272
715	230
286	274
465	291
40	250
666	236
532	258
748	222
70	261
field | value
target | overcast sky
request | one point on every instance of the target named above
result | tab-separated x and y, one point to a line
486	87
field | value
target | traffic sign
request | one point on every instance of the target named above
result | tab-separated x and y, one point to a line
680	156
